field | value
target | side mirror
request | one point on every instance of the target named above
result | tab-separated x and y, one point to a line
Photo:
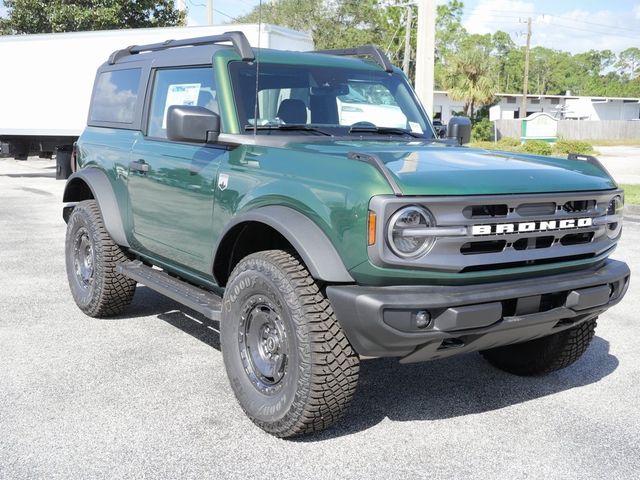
189	123
459	129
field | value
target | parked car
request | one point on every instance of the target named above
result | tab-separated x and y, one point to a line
228	179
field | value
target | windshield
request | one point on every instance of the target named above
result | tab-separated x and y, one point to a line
338	101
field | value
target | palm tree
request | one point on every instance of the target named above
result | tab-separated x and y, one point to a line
470	77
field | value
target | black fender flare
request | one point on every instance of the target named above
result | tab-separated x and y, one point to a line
103	193
306	237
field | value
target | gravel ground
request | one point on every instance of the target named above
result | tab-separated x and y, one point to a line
145	395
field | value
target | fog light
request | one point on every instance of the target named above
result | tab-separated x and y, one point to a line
423	319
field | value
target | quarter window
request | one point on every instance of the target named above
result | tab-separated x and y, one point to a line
116	96
184	86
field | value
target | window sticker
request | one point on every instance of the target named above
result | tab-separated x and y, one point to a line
180	94
415	127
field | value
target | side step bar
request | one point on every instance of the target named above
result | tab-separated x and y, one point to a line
207	303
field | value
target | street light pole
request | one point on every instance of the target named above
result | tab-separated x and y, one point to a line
210	12
407	40
425	53
525	81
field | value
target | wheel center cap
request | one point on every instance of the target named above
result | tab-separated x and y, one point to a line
271	344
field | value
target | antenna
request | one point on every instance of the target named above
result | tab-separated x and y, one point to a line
255	108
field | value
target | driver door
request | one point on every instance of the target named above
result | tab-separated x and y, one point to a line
171	184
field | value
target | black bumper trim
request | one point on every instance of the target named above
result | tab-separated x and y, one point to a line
362	310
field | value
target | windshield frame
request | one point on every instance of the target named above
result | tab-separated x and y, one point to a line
337	131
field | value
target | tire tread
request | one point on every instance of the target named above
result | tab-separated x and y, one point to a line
334	363
114	291
543	355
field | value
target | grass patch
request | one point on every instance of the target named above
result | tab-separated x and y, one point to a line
537	147
631	194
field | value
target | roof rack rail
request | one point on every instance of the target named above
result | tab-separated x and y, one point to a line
363	51
237	39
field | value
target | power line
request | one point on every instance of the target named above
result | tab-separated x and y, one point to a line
591	30
501	14
501	20
235	19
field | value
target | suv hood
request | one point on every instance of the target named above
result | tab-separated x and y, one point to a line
434	169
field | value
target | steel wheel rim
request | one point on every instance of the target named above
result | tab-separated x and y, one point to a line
263	344
83	258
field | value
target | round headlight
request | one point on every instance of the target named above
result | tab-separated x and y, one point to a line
404	232
616	207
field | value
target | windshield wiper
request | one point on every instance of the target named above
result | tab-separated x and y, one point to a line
289	126
385	131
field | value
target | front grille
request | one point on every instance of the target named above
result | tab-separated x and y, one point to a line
526	263
575	206
476	248
544	242
533	242
485	211
577	238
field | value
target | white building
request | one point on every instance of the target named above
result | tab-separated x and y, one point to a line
570	107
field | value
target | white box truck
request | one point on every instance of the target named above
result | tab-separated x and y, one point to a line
46	84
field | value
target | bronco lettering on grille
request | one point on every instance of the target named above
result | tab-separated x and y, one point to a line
523	227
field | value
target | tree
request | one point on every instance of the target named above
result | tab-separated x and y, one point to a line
449	29
629	62
549	70
470	78
449	34
334	24
502	49
40	16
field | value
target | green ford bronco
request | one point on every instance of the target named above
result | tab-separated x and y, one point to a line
303	200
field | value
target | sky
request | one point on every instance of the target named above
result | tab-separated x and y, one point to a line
571	25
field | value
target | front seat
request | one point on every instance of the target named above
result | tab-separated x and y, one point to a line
206	100
292	110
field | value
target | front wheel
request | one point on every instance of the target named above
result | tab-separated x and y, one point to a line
543	355
289	363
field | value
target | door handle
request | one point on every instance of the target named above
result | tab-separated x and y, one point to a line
139	166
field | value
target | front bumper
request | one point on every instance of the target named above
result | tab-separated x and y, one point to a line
381	321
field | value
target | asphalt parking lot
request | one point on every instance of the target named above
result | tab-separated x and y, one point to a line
622	162
145	394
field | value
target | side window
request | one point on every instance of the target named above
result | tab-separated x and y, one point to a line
116	96
183	86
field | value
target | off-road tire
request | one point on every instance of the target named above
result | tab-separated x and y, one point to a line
543	355
104	293
321	369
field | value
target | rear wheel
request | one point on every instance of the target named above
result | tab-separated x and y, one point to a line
91	258
543	355
289	363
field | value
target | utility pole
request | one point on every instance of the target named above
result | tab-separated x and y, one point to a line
407	40
210	12
525	82
425	53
